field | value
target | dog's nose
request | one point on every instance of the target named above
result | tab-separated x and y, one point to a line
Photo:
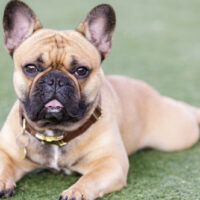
57	82
55	79
51	82
60	83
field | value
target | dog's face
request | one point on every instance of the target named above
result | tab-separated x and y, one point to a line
57	74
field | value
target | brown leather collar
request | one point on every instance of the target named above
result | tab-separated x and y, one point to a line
67	136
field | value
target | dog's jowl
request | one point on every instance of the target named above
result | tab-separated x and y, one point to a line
70	117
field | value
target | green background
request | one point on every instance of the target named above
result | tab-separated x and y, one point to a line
157	41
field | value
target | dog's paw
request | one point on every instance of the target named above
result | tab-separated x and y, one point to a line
74	193
7	188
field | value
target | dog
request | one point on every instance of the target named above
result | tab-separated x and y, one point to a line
70	117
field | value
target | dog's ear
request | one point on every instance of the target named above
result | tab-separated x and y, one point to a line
98	28
19	23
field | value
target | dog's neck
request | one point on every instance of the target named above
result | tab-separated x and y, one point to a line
61	137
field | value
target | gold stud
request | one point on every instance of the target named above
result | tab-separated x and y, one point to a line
99	108
49	139
95	116
40	136
25	153
61	143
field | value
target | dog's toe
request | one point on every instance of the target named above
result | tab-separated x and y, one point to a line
67	198
10	192
7	194
7	189
1	194
73	194
60	198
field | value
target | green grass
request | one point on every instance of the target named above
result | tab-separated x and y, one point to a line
157	41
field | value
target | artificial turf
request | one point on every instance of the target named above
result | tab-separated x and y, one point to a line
157	41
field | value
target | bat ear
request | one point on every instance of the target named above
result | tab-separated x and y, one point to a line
19	23
98	27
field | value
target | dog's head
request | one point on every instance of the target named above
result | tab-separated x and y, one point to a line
57	75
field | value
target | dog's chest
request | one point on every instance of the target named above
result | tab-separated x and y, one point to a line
48	156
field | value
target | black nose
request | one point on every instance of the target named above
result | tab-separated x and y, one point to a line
55	79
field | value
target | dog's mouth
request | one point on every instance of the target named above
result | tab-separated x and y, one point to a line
54	106
53	110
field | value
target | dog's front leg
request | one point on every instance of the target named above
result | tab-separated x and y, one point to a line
7	179
107	174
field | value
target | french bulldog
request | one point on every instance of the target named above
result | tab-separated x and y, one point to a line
70	117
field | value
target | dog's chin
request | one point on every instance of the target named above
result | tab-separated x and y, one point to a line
55	116
51	117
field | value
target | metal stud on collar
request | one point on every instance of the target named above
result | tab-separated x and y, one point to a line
95	115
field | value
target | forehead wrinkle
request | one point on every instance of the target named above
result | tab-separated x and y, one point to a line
82	45
55	38
56	52
61	46
44	39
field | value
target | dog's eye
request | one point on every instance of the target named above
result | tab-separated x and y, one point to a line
30	69
81	72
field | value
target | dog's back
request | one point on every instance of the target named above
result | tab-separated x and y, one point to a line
151	120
